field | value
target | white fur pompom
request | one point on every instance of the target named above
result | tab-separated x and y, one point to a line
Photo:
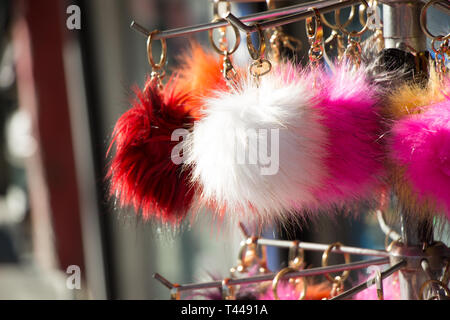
265	180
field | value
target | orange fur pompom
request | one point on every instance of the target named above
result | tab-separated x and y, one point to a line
200	73
411	98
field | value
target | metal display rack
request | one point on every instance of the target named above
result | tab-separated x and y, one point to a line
419	266
429	265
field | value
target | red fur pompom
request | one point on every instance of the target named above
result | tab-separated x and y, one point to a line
142	173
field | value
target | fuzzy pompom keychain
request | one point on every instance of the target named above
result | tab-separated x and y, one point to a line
348	105
258	152
142	172
419	147
354	161
288	292
199	73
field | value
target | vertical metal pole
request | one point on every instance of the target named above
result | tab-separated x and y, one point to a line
401	19
410	278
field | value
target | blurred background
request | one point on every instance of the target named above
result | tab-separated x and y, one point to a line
61	92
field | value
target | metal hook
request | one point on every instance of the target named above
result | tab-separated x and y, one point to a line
163	280
260	66
233	20
387	230
345	274
244	230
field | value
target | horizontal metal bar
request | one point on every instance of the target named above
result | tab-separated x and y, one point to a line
324	6
238	23
444	5
302	273
245	1
323	247
278	22
365	285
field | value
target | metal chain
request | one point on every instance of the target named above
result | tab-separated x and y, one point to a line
440	59
353	51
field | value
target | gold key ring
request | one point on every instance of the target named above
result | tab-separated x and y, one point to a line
423	23
325	255
219	50
216	16
260	65
248	255
334	26
314	32
351	33
256	54
279	276
441	50
163	58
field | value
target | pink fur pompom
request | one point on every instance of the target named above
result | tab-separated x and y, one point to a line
287	291
355	156
391	290
421	144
